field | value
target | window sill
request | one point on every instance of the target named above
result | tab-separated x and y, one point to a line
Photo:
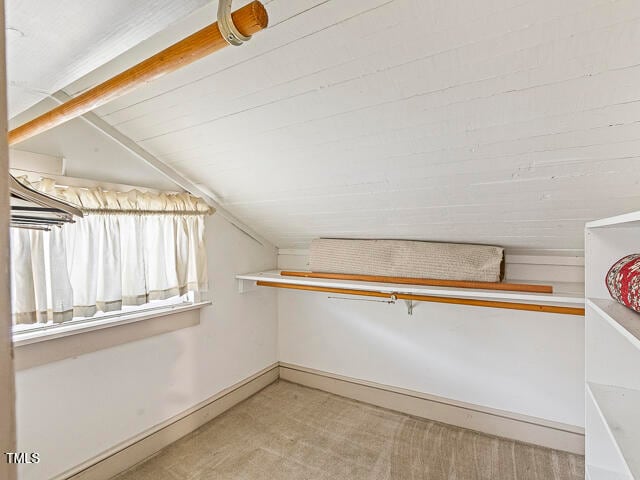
35	348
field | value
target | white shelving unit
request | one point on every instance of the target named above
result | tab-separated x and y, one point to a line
612	336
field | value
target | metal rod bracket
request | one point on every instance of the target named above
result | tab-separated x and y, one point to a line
227	28
410	306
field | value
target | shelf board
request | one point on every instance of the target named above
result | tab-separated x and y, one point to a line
595	473
623	319
631	219
620	410
564	293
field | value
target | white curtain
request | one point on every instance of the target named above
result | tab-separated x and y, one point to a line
130	248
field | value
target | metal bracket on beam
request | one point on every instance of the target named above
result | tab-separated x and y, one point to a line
227	28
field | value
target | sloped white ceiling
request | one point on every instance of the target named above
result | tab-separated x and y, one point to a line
90	154
493	121
52	43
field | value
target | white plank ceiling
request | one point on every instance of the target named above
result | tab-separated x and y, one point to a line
508	122
52	43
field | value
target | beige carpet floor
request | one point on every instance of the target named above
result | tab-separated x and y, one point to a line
287	431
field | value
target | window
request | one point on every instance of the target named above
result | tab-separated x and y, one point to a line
151	306
130	251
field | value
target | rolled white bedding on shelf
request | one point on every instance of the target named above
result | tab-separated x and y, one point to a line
408	258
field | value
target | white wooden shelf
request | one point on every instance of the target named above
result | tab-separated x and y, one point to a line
620	411
595	473
623	319
612	352
569	294
626	220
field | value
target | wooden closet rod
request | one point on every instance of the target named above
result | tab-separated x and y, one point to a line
248	20
425	298
511	287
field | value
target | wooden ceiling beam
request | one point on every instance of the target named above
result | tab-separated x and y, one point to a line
248	20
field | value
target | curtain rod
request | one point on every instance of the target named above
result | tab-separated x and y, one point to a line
247	20
113	211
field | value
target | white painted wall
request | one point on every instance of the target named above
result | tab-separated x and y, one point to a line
36	162
523	362
72	410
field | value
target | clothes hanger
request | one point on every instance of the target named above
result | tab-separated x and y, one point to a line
36	210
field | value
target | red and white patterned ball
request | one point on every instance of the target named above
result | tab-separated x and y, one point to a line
623	281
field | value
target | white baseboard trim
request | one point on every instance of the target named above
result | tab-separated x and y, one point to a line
491	421
518	427
132	451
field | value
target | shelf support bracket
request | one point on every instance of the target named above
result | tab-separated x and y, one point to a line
410	306
246	286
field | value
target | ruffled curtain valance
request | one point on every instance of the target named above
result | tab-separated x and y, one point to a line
130	248
98	200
